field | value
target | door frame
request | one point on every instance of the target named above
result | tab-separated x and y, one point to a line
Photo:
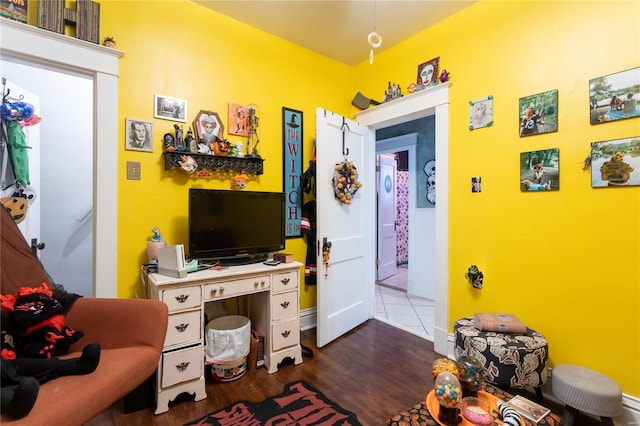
31	45
430	101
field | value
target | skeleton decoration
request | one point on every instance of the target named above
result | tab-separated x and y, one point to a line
430	171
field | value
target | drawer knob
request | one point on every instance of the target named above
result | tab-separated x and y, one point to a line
285	305
286	333
182	366
182	298
285	281
262	283
181	327
214	291
256	284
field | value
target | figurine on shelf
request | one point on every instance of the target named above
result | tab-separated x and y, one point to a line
179	137
444	76
190	142
475	276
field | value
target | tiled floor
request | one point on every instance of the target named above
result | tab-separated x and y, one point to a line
413	314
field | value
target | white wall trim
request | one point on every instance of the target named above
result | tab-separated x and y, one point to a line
308	318
31	45
430	101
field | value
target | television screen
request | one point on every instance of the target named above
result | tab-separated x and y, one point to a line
235	224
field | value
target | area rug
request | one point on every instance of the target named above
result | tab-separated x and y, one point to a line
299	405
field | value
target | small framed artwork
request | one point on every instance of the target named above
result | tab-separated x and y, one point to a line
138	135
292	161
481	113
208	127
170	108
428	73
539	113
539	170
615	96
237	123
612	163
476	184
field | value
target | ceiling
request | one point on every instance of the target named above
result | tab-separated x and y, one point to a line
339	28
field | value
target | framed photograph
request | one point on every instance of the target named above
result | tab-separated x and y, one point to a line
615	96
292	163
428	73
615	163
481	113
539	170
539	113
208	127
476	184
170	108
237	123
138	135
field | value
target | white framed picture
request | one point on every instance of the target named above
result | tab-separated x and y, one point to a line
168	108
138	135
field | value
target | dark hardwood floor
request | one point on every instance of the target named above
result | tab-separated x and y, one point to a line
375	371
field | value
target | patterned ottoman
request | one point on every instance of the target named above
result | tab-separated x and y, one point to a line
510	360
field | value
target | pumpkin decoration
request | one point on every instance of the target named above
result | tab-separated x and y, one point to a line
345	181
221	147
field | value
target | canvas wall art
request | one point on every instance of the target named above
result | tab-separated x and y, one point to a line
138	135
539	170
615	96
539	113
615	162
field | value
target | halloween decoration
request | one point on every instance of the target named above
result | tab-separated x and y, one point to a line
475	277
345	181
239	182
41	331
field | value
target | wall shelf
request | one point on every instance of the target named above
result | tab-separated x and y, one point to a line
214	162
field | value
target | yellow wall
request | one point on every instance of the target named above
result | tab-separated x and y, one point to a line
566	262
183	50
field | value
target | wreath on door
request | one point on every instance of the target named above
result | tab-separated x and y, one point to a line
345	181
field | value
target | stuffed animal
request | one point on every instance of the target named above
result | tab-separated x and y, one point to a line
40	329
239	182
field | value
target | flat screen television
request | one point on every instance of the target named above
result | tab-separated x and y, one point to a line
237	226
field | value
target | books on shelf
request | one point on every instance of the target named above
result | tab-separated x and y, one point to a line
529	409
504	323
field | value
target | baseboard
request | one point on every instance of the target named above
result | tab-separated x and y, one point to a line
308	318
630	414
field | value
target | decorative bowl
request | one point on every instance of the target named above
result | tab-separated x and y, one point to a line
475	410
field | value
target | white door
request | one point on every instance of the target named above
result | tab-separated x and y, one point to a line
346	293
387	264
30	226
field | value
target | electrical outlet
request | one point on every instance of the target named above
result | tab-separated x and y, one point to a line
133	170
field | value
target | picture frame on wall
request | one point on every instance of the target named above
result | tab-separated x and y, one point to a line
138	135
538	113
237	122
612	164
539	170
428	73
168	108
481	113
615	96
292	139
208	127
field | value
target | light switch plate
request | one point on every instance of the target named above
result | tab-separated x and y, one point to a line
133	170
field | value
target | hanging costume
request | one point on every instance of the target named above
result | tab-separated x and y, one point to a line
309	229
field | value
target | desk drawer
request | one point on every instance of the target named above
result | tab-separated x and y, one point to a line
284	306
178	299
183	328
285	334
285	281
236	287
182	365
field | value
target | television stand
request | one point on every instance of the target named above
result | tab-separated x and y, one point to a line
273	296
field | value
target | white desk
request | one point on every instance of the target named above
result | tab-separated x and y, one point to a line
274	310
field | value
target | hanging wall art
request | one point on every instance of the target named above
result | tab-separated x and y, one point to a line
539	113
615	96
615	163
292	138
